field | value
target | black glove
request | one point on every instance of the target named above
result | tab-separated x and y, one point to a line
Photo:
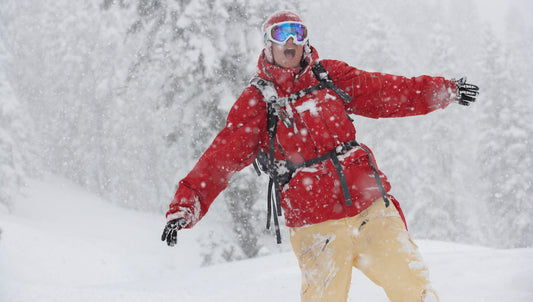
466	93
170	233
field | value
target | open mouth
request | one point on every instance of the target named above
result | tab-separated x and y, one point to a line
289	53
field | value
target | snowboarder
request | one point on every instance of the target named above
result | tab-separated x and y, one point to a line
334	198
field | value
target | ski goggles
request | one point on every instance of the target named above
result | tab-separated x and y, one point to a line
279	33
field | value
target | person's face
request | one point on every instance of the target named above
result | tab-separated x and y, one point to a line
288	55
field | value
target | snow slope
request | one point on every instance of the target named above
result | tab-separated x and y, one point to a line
62	244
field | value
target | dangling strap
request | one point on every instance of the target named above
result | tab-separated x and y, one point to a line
376	176
342	178
273	208
272	124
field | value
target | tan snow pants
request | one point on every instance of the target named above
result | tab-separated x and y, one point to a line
376	242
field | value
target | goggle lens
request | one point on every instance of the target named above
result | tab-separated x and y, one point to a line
280	33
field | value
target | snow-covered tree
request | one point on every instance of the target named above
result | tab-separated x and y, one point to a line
504	143
16	133
12	174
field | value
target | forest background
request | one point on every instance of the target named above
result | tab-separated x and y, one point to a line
123	96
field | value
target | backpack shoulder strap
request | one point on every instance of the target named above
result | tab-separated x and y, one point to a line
266	161
276	105
266	88
270	95
323	77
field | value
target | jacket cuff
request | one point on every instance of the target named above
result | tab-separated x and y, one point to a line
187	208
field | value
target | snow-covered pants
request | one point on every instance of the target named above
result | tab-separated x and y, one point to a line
375	241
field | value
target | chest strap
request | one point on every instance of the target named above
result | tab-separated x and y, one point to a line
333	156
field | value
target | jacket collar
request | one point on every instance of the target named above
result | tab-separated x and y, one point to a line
288	79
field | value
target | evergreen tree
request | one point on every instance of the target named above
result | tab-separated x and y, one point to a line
446	208
504	145
16	157
515	177
377	54
437	208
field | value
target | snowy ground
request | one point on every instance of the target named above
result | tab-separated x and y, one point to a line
63	244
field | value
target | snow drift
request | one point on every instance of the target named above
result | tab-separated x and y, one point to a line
61	243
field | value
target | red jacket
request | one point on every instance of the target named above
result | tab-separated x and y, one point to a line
313	194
